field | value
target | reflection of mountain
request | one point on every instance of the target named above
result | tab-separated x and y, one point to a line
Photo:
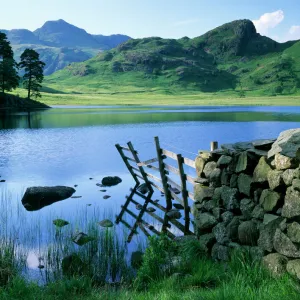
62	118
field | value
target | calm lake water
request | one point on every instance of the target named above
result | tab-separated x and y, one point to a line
70	145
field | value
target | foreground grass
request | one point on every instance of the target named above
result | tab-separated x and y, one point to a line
155	98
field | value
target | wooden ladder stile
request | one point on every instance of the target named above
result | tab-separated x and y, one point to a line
142	171
164	183
125	159
184	193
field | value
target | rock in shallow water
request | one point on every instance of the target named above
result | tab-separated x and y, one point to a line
106	223
111	180
36	198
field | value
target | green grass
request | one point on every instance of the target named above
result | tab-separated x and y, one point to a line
144	98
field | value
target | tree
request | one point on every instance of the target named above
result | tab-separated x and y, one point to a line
9	78
33	67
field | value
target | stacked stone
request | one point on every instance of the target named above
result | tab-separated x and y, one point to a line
247	196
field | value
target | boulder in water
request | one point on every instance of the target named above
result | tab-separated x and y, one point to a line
111	180
36	198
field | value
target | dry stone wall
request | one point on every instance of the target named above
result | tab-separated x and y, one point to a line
247	196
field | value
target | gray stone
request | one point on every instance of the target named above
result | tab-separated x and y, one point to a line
293	268
206	241
36	198
269	218
111	180
258	212
136	259
220	252
257	194
248	233
264	144
260	174
217	212
220	233
296	184
232	228
283	162
202	193
224	161
174	214
288	176
258	152
209	167
293	232
266	235
230	197
225	177
275	263
233	180
247	206
215	177
275	179
200	163
297	173
288	144
209	205
106	197
269	200
291	207
205	221
217	196
243	146
245	162
284	245
139	206
106	223
227	217
244	184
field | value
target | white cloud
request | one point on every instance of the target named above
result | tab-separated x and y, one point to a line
268	21
294	33
186	22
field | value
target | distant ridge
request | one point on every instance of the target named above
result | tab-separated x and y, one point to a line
60	43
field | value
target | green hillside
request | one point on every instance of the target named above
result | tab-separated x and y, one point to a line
232	57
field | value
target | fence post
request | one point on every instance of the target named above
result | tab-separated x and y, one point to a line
184	193
213	145
164	182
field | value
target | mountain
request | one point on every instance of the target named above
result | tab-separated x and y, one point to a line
232	57
60	43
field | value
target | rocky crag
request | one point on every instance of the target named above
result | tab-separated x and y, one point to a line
247	196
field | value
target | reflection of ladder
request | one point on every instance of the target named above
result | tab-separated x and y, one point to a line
139	222
165	184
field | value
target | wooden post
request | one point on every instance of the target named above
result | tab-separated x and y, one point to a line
136	158
184	193
129	167
213	146
164	183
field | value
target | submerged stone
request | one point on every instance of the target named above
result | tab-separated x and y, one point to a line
82	238
60	223
106	223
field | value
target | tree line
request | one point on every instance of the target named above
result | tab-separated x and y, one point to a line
30	63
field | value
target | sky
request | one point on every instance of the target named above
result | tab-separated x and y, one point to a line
278	19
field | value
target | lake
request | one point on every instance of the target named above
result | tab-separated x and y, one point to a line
70	145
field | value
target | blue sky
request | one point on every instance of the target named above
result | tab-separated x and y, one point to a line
278	19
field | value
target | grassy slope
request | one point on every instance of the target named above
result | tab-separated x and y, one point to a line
218	65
